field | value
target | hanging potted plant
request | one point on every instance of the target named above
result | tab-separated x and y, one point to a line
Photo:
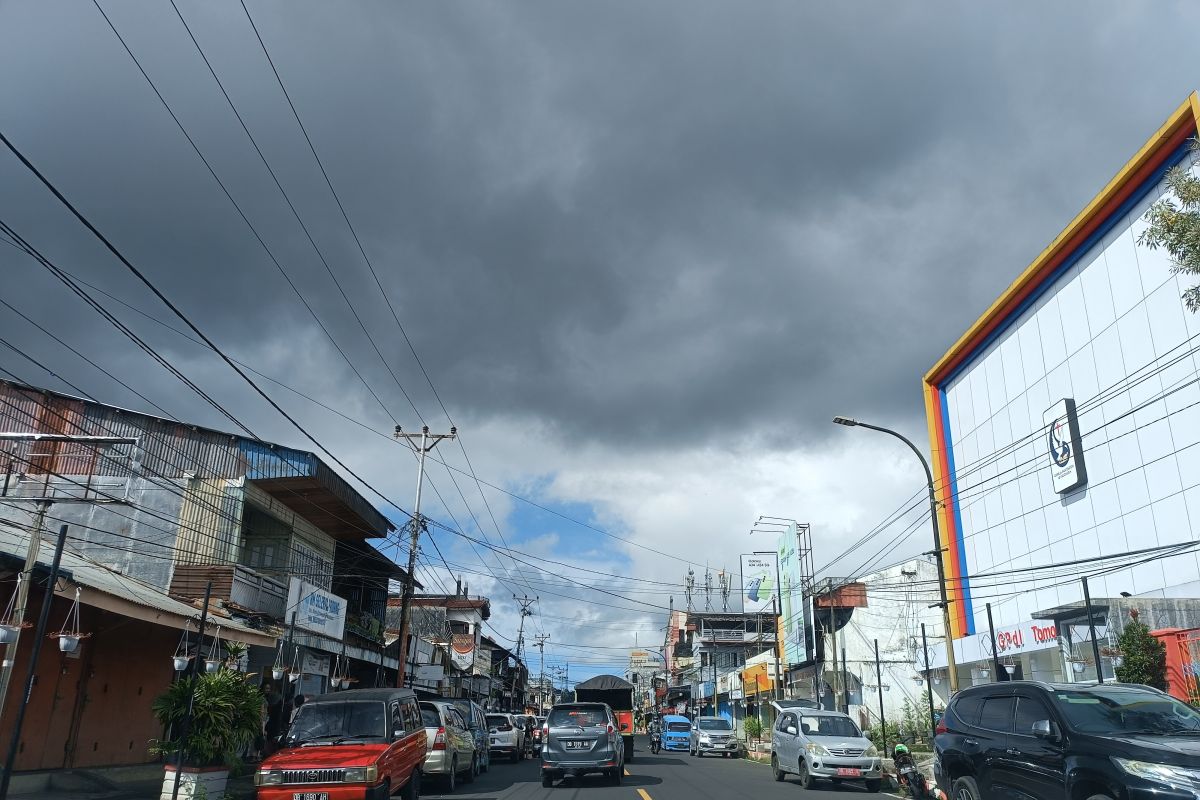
277	669
9	624
226	717
70	635
213	663
182	656
235	655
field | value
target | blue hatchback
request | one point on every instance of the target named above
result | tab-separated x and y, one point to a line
676	732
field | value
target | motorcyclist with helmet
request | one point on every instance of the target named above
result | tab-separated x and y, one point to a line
908	774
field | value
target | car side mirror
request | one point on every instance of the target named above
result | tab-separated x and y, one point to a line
1045	729
493	730
791	729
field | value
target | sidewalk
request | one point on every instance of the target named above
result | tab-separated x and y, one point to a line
117	783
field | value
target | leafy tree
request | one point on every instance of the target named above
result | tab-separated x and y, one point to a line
1175	226
1143	657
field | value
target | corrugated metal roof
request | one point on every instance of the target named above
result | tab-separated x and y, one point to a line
94	577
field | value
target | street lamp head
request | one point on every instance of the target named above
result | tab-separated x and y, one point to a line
847	421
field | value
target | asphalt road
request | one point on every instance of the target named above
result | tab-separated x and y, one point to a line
667	776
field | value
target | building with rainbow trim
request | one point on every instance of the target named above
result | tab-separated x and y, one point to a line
1097	318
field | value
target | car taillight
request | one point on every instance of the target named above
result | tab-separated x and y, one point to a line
941	727
439	741
611	730
545	731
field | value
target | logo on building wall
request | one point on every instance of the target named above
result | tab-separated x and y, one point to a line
1063	445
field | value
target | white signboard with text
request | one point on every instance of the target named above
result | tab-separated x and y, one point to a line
316	610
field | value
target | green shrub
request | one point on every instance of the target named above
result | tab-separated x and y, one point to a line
226	718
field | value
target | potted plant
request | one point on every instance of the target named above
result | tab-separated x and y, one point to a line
226	717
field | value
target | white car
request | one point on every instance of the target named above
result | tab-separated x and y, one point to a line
812	743
506	735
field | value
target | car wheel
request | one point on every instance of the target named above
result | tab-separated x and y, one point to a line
775	770
873	786
516	756
965	788
547	780
806	779
617	776
452	776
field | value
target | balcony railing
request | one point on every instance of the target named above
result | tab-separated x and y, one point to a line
239	585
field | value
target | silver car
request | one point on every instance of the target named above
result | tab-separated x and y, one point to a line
713	735
582	738
812	743
451	747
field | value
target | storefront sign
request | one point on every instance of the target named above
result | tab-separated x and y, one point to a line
314	664
462	650
1026	637
429	672
1064	446
316	610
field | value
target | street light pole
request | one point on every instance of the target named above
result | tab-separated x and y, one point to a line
951	666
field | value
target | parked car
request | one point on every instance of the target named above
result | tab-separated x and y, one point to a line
582	738
506	736
713	735
676	732
451	747
368	743
813	743
1033	740
476	720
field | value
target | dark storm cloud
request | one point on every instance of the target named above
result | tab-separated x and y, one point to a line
654	220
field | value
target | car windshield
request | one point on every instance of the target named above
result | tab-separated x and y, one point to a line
335	722
679	726
1118	710
828	726
715	725
578	717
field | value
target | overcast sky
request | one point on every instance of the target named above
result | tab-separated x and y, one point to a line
645	252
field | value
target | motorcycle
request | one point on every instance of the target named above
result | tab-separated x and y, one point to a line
911	777
655	742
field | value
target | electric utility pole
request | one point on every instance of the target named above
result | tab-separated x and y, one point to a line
525	603
428	441
541	646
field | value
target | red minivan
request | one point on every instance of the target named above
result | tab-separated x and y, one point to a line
363	744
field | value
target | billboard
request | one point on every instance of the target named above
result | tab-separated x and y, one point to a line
462	651
759	576
791	596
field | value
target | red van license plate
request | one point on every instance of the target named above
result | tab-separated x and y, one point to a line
843	772
310	795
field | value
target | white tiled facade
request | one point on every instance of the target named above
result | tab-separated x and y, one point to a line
1112	333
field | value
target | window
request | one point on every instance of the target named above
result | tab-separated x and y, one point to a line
784	721
333	720
582	717
679	727
967	709
311	566
499	721
411	716
1115	710
1029	711
398	726
828	725
997	714
430	718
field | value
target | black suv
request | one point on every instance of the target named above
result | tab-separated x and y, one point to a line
1026	740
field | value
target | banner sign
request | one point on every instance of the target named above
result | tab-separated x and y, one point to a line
793	607
316	610
314	664
758	583
462	650
1064	446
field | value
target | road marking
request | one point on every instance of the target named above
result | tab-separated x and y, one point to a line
645	795
626	773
